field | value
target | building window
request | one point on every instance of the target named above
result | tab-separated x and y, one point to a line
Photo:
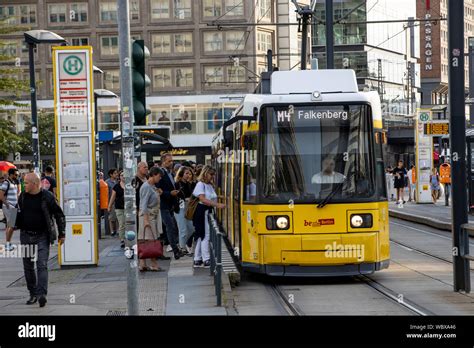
79	41
235	74
161	43
78	12
109	46
265	9
27	14
183	43
264	41
213	75
134	11
108	11
8	14
234	40
182	9
9	49
234	7
213	41
57	13
212	8
112	80
160	9
184	78
161	78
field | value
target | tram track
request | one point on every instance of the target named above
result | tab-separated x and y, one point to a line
393	296
423	252
285	303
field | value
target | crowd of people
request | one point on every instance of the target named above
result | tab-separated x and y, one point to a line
399	179
163	192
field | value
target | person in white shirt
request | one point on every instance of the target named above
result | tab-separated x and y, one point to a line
328	175
207	196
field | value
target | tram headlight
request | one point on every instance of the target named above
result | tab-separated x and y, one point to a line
361	220
278	222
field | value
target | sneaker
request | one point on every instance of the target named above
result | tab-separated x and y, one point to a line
207	264
189	250
113	234
169	248
122	244
197	264
164	257
10	247
183	251
177	256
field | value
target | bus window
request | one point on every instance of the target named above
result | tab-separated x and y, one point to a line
250	167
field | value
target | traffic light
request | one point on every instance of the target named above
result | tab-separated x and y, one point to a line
140	81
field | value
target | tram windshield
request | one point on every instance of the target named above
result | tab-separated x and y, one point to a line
309	150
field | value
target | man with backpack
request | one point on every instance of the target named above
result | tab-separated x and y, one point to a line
9	197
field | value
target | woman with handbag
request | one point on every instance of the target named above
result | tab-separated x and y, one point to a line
150	223
183	180
207	196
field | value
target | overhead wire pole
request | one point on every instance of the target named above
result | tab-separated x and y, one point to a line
306	13
458	145
329	35
129	163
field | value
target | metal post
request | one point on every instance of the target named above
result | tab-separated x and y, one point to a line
219	265
96	131
471	81
304	40
34	110
458	144
269	60
129	163
329	35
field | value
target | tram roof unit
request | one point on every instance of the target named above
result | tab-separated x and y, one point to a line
311	86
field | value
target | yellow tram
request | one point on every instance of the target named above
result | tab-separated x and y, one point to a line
301	173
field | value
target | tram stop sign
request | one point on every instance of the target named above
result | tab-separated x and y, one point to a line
424	117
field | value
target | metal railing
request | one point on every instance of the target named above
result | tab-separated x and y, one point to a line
215	248
461	261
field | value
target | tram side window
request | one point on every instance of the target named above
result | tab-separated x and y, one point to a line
379	167
250	167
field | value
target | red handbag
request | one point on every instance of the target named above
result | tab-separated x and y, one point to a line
149	249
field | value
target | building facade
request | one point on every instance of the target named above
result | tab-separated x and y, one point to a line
435	55
383	55
198	71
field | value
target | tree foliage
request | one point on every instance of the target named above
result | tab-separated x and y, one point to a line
11	86
10	142
46	135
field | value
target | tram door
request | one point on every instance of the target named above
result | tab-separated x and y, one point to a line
236	188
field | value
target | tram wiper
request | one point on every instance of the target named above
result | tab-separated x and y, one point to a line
333	192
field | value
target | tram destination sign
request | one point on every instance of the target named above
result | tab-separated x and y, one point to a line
436	128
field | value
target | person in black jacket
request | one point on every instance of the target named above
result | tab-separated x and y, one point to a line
169	203
38	207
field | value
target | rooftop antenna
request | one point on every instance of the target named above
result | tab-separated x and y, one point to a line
305	12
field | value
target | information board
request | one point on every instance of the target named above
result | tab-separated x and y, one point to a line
424	156
73	100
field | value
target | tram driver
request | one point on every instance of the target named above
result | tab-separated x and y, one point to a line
328	175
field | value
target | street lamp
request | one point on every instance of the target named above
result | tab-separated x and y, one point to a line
99	93
33	38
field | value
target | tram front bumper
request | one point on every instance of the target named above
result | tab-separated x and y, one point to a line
320	250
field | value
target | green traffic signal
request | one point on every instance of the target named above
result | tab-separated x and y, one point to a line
139	81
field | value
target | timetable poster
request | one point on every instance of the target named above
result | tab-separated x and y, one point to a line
76	176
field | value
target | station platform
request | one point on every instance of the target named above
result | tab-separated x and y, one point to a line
102	290
435	215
